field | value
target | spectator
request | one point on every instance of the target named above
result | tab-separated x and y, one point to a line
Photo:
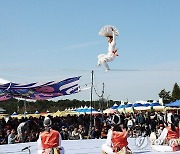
33	136
2	138
145	124
65	133
6	136
95	133
22	131
82	131
147	130
12	138
104	132
76	135
130	126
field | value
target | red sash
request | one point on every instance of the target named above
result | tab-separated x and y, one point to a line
172	134
119	139
50	139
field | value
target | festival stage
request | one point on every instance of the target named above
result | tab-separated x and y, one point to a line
92	146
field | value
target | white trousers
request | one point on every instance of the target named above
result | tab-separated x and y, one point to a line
107	149
103	59
62	151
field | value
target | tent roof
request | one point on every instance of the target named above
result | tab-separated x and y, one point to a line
174	104
146	104
121	106
137	105
155	104
115	104
128	105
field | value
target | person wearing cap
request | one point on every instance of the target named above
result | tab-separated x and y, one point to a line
49	141
65	133
116	139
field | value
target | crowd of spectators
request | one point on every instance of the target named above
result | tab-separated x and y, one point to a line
78	127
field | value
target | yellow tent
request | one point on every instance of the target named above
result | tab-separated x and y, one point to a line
64	113
3	116
33	115
109	111
58	113
18	116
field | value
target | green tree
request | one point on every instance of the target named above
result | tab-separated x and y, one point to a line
176	92
165	95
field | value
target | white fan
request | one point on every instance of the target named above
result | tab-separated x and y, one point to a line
107	31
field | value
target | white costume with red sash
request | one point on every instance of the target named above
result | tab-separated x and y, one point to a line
50	141
112	53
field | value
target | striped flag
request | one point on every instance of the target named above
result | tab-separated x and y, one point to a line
39	91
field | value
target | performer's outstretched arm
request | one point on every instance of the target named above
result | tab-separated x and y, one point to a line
114	37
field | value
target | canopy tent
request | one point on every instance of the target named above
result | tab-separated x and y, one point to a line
32	115
14	113
121	108
19	116
64	113
141	108
148	107
94	112
156	106
38	91
146	104
137	105
115	106
87	110
3	116
174	104
109	111
81	109
129	108
37	112
128	105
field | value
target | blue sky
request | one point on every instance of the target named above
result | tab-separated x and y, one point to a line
50	40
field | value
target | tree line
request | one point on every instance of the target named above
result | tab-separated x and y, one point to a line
169	96
20	106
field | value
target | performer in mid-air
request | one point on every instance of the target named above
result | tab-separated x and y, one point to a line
110	32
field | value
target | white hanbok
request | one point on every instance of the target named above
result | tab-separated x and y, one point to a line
110	56
107	147
40	147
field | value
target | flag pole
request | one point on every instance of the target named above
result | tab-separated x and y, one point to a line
90	127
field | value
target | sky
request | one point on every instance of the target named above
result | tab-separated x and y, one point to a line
51	40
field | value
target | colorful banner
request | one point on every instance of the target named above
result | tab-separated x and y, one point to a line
38	91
